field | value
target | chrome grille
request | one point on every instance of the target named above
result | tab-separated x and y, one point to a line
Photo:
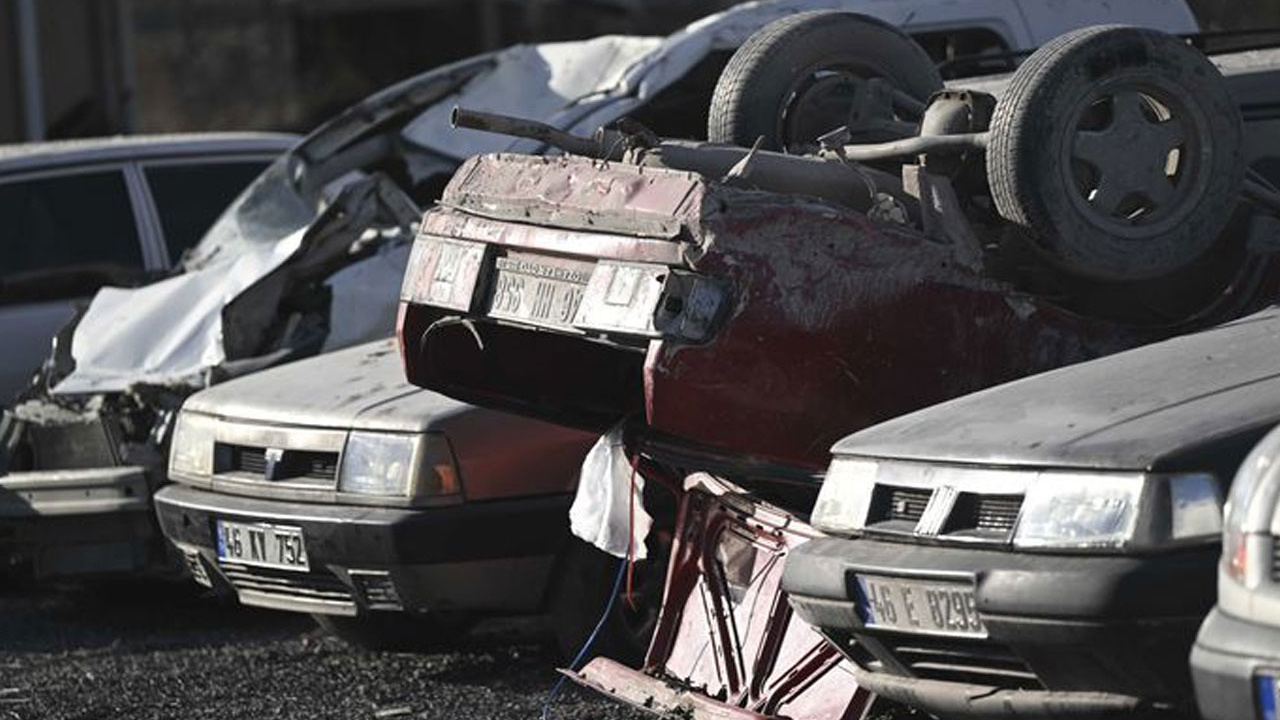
991	516
317	587
898	504
964	661
292	465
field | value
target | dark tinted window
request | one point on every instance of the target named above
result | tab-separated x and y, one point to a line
189	198
67	229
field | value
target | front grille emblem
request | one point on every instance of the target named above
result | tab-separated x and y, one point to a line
936	512
272	458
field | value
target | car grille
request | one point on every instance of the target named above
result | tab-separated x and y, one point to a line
972	516
293	465
317	587
990	515
965	661
898	504
1275	559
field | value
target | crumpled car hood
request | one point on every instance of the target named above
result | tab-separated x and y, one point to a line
1141	409
169	331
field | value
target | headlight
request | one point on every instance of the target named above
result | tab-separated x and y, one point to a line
398	465
191	451
845	496
1078	511
1248	516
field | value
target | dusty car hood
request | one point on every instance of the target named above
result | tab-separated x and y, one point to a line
1155	407
362	387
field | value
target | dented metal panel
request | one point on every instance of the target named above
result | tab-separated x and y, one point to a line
561	192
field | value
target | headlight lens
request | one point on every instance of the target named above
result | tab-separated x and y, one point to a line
191	451
845	496
1079	511
398	465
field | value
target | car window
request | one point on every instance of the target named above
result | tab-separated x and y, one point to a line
65	236
189	198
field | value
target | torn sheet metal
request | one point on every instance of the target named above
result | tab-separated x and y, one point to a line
610	500
166	332
727	644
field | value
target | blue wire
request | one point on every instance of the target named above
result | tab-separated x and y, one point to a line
586	646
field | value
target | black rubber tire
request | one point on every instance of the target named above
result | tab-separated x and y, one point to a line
583	580
756	84
395	630
1036	116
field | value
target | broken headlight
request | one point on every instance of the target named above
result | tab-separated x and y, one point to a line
191	452
398	465
653	300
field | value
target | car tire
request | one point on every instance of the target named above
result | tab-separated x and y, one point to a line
1118	151
584	578
394	630
768	90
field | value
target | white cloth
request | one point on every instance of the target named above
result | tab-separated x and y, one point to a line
601	510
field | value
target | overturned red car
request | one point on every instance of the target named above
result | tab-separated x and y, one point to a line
853	242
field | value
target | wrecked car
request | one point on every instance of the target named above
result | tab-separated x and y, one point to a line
1047	548
1237	651
739	309
395	516
308	259
105	211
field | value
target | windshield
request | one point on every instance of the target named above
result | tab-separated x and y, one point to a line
269	209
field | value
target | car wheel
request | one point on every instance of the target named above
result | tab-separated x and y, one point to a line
1118	151
795	79
395	630
584	579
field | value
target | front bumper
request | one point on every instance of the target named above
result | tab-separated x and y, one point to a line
486	557
78	522
1067	636
1228	656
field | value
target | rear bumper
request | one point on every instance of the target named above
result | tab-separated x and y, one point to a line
1067	636
1228	655
78	522
486	557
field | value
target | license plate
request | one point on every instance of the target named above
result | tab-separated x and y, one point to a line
274	546
923	606
538	291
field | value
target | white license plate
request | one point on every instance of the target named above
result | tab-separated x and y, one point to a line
539	293
275	546
923	606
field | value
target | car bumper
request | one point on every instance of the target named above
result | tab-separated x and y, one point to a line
488	557
77	522
1066	636
1228	657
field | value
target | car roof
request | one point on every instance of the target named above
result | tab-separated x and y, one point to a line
24	157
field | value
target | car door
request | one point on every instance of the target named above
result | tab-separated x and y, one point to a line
65	234
186	195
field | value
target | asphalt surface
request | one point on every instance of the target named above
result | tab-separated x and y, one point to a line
161	651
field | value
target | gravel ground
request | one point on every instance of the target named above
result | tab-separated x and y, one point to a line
149	651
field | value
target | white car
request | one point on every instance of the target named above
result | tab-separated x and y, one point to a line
82	214
1236	659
